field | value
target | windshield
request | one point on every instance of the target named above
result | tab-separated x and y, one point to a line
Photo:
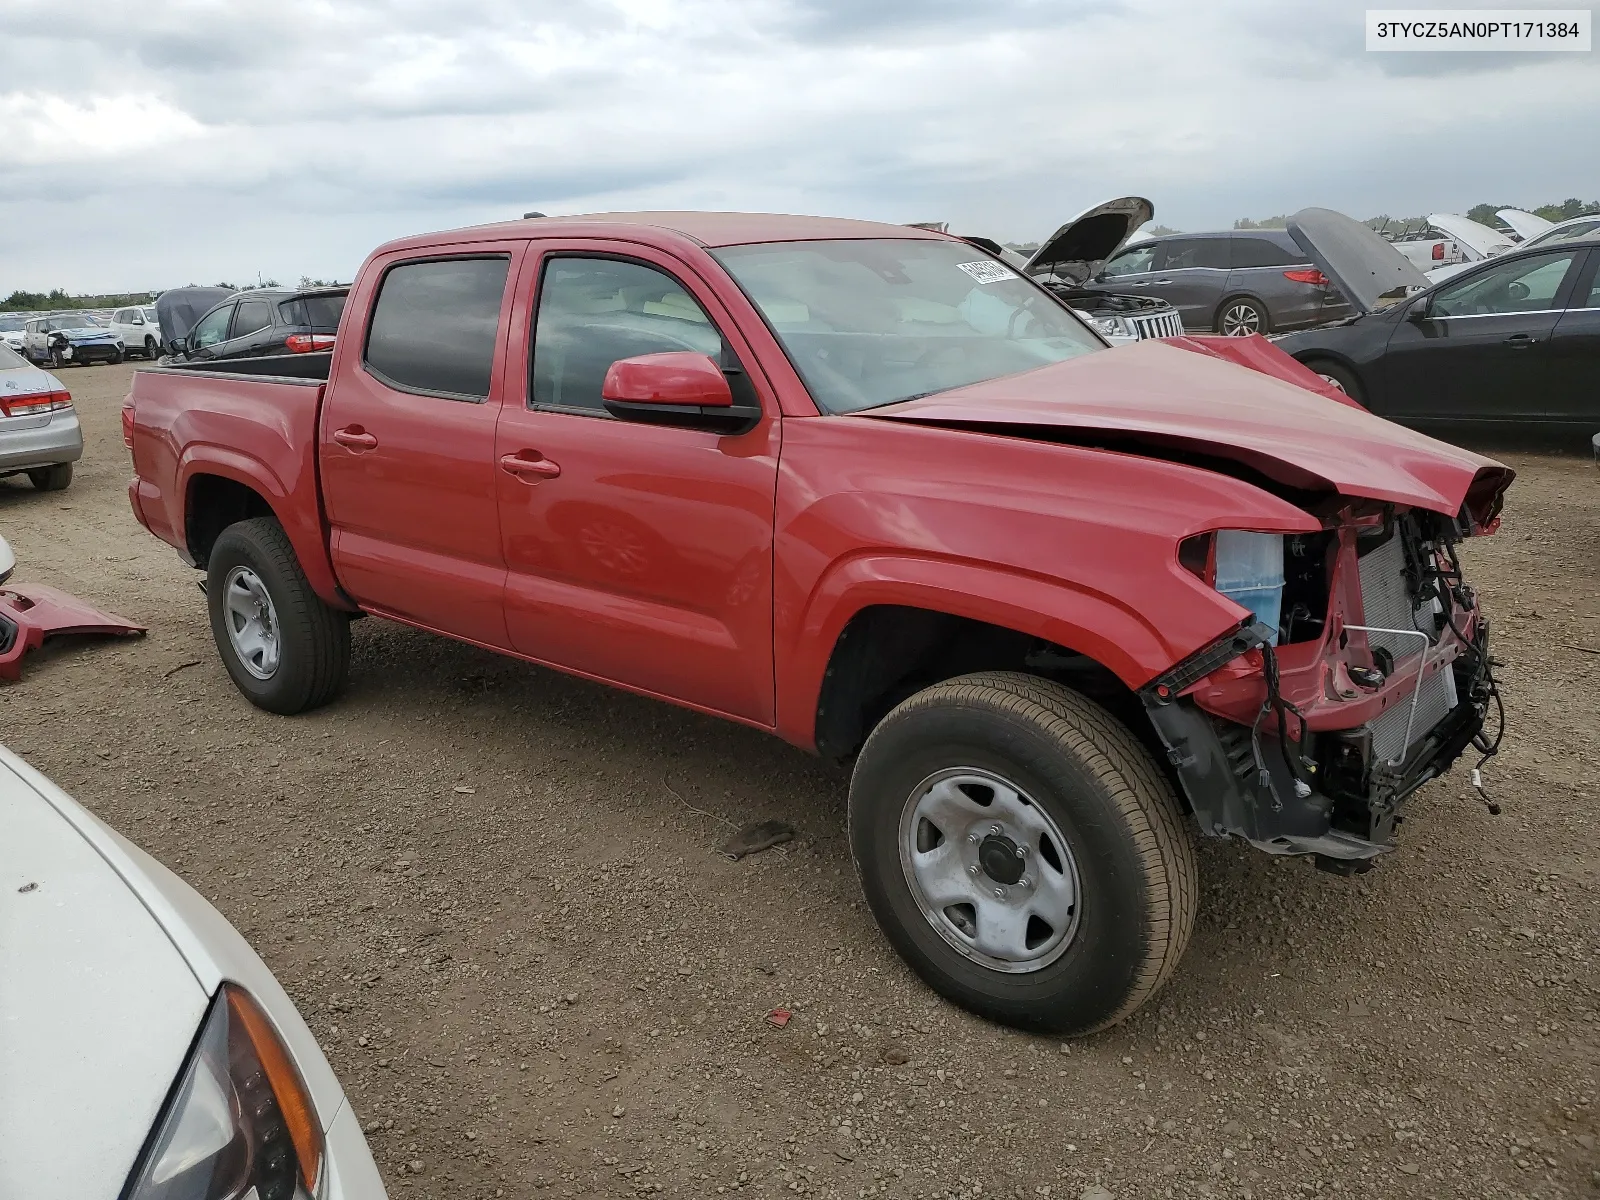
1562	233
868	323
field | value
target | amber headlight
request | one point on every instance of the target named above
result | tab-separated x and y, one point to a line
240	1123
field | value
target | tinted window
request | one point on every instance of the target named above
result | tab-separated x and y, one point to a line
319	313
1526	285
433	328
1594	295
212	328
1262	252
593	311
253	315
1193	252
1131	261
1566	233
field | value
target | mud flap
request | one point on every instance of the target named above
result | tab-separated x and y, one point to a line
30	615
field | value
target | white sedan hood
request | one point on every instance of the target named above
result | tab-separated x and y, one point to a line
97	1007
1524	224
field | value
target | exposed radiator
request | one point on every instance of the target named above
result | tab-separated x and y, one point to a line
1387	600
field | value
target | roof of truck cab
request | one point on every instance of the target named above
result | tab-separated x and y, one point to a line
703	228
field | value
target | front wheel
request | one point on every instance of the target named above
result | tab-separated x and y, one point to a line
284	648
1241	316
1022	852
1340	376
150	349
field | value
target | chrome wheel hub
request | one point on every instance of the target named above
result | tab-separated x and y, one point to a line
1241	320
989	870
252	622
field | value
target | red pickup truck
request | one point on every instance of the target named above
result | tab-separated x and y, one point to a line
865	487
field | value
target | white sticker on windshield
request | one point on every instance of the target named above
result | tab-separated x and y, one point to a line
987	271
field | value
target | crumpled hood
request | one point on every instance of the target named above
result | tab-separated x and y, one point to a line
97	1007
86	333
1171	402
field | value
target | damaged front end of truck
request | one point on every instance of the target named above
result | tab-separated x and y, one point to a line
1363	672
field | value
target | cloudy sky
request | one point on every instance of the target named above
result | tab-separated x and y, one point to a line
160	142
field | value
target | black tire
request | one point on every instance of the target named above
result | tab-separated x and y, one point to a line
57	359
116	358
1240	315
151	349
51	479
1341	376
1115	810
313	640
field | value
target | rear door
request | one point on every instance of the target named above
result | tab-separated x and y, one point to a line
1282	279
637	554
1191	275
1575	352
1483	352
407	442
250	334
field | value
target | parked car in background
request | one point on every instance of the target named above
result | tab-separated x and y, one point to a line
1566	231
264	322
39	432
1035	589
73	338
149	1054
12	326
1236	282
1513	340
1524	224
139	330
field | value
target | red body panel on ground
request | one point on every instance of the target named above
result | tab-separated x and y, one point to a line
39	612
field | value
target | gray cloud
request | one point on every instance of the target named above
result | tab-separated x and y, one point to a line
293	137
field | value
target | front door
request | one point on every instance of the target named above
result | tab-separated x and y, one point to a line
407	444
637	554
1482	352
1575	353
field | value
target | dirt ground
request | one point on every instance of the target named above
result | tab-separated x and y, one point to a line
494	893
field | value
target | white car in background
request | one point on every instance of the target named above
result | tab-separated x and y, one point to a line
139	330
146	1052
1565	231
1478	242
12	327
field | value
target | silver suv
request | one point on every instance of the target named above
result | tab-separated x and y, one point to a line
1238	282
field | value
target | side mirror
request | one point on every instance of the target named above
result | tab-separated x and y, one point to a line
180	345
679	387
8	561
1419	310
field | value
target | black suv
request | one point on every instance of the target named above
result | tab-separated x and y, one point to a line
262	322
1238	282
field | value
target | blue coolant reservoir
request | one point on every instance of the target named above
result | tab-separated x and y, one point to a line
1250	572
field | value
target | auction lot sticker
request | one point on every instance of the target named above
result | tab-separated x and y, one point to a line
1497	29
987	271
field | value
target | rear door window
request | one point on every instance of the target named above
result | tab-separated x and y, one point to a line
1261	252
251	317
594	311
1183	253
320	314
433	328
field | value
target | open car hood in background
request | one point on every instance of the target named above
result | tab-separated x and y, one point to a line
178	310
1480	239
1080	247
1524	224
1368	270
1169	402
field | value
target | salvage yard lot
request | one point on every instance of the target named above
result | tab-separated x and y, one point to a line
495	895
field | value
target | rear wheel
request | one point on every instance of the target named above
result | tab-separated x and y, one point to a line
1240	316
1342	377
1022	852
283	647
51	479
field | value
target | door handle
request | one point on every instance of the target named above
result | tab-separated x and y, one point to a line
1521	341
1161	283
355	438
528	462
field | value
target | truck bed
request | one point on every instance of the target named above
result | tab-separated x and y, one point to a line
278	366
